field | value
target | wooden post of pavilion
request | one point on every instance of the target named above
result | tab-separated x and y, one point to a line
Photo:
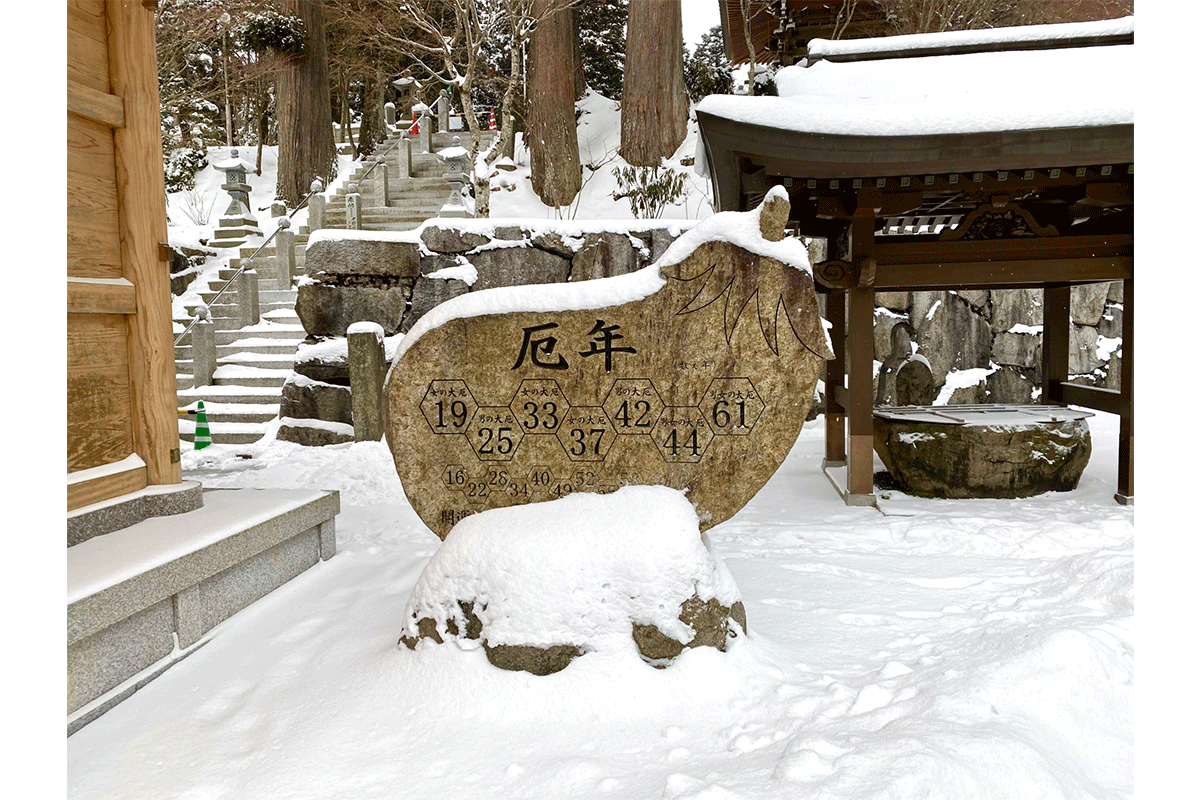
860	346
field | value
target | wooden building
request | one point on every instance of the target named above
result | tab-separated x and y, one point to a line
780	30
940	162
152	565
122	429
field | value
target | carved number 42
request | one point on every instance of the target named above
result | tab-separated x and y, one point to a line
641	407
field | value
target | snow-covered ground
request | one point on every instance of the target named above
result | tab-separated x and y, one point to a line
952	649
941	649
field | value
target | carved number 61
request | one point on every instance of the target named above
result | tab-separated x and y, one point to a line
721	415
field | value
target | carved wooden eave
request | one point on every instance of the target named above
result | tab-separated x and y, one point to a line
1009	221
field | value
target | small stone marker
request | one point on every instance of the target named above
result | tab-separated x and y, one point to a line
702	385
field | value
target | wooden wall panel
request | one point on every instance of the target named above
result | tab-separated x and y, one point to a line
87	44
93	242
97	340
99	429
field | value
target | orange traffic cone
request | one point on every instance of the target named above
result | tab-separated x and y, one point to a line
492	121
416	128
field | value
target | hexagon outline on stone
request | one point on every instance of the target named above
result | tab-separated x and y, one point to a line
455	477
682	434
441	409
542	477
494	433
586	434
732	406
550	405
637	419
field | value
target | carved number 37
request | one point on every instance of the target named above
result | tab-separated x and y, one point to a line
579	441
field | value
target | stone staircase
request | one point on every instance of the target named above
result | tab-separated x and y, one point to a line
254	362
410	201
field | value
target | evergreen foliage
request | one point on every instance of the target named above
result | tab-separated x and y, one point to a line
602	45
268	30
707	70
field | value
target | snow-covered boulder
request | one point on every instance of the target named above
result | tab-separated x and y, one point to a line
538	585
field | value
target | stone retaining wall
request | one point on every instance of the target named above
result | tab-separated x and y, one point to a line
981	346
393	279
986	346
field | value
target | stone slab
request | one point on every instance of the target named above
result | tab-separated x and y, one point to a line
112	577
153	501
700	381
363	256
213	600
328	310
109	657
994	451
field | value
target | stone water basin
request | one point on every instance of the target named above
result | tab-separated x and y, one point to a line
999	451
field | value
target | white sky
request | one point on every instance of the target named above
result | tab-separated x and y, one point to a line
698	17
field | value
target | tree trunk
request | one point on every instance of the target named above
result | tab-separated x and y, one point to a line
370	131
654	103
306	148
550	116
577	56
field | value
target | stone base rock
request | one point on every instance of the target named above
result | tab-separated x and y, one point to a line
535	590
1004	461
328	309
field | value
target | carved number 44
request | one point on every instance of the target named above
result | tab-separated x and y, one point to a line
691	443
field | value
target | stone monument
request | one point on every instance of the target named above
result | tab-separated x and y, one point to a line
695	373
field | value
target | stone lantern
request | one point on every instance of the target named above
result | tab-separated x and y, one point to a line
237	224
455	158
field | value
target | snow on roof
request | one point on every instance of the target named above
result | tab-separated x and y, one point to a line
825	48
962	93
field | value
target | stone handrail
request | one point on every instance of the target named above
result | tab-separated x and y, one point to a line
284	224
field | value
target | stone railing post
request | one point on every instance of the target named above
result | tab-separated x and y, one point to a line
316	207
247	294
381	180
364	346
404	157
425	134
204	348
285	254
353	208
443	111
389	114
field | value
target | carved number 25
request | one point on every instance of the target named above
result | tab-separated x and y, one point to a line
504	442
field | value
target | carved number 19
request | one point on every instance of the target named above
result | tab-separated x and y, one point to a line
458	413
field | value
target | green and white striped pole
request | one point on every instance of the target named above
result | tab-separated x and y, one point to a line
202	437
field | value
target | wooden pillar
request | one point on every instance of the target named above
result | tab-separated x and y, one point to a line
143	226
860	357
1056	340
860	346
1124	493
835	380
